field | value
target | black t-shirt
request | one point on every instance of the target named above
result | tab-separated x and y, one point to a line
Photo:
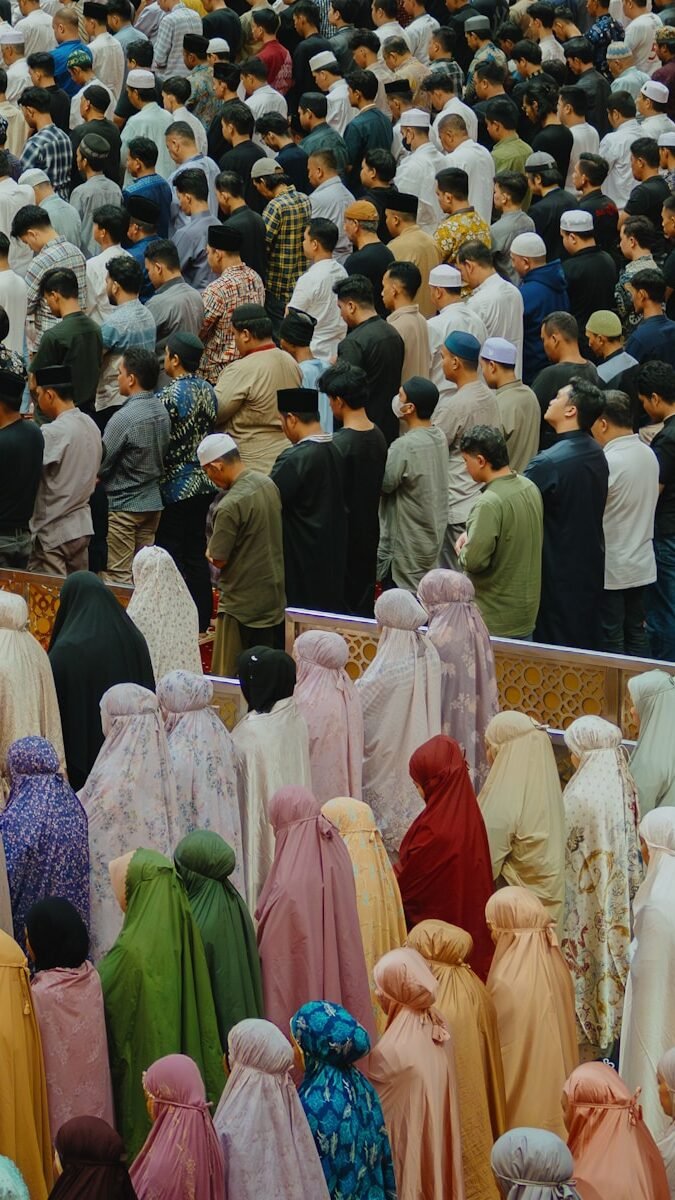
241	159
294	161
548	383
558	141
59	107
105	129
372	261
365	455
546	213
646	200
668	269
253	246
21	449
225	24
378	349
605	218
663	446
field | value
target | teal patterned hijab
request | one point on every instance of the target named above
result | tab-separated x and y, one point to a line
341	1105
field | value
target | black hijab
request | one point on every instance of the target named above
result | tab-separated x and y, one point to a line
93	1160
94	646
57	934
266	676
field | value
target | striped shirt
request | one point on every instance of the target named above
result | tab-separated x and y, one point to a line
135	443
57	253
50	150
173	26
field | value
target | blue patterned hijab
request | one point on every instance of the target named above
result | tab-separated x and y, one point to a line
44	830
342	1106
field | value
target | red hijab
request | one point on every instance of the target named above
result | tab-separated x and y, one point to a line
444	869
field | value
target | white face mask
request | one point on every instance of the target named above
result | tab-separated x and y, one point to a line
396	407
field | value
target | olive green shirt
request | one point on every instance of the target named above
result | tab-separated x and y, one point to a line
247	538
502	556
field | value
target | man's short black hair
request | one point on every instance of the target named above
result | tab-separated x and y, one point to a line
124	269
366	38
144	365
595	168
587	399
31	216
487	441
61	280
563	323
364	82
97	97
37	98
234	112
164	252
272	122
621	102
382	162
144	150
348	382
41	61
407	274
140	52
357	288
454	181
577	98
193	182
528	50
651	282
177	86
578	47
323	231
113	219
617	409
642	229
656	378
647	149
253	319
514	184
502	111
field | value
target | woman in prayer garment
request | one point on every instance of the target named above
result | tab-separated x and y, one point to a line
378	899
28	703
665	1078
94	646
533	995
464	1002
156	989
413	1070
205	864
308	927
602	874
182	1155
521	803
24	1121
444	867
68	1004
401	696
337	1099
203	760
648	1028
6	923
331	706
164	611
468	681
268	1146
92	1161
130	795
12	1186
652	763
44	831
272	747
615	1155
533	1164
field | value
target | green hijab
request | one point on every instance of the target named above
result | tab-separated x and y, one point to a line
157	993
652	763
204	862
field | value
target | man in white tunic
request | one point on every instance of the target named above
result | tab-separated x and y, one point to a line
497	302
328	78
445	287
36	27
416	174
471	157
313	293
149	121
106	51
13	57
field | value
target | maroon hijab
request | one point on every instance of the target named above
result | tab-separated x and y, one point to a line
444	869
93	1159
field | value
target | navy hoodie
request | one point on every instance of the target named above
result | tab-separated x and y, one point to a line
544	290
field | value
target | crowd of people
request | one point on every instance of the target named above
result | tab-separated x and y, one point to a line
362	308
363	947
334	294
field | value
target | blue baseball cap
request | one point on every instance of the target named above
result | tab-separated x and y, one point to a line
464	345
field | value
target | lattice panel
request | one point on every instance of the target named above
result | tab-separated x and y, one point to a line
362	647
628	725
229	707
548	691
43	605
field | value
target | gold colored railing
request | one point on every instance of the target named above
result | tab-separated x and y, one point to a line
554	685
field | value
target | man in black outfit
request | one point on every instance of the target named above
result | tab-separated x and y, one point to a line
579	57
238	123
550	200
21	450
249	224
374	345
370	257
591	273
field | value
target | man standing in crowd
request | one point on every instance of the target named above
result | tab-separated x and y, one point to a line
373	345
61	524
74	341
572	476
519	413
246	546
235	284
21	450
655	385
174	305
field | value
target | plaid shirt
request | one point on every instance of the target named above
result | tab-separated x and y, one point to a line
487	53
237	285
173	26
57	253
192	406
601	33
51	150
285	217
128	326
135	443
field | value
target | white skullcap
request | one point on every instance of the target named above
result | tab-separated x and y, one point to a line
33	176
214	446
655	91
324	59
139	78
529	245
11	37
218	46
667	139
498	350
415	118
445	276
577	220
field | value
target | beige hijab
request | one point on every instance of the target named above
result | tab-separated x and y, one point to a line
533	994
470	1013
28	704
523	810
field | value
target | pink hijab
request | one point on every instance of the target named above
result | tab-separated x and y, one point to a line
468	680
182	1158
309	936
269	1147
331	706
413	1070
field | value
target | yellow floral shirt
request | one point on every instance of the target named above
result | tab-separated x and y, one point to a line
459	228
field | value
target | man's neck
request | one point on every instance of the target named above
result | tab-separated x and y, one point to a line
237	202
649	174
501	473
615	432
126	298
69	307
402	302
466	377
567	427
312	430
450	298
571	354
321	256
170	279
4	265
550	119
365	314
651	309
145	171
137	391
507	378
254	347
366	239
356	418
509	207
107	243
7	417
415	422
239	138
42	120
198	210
